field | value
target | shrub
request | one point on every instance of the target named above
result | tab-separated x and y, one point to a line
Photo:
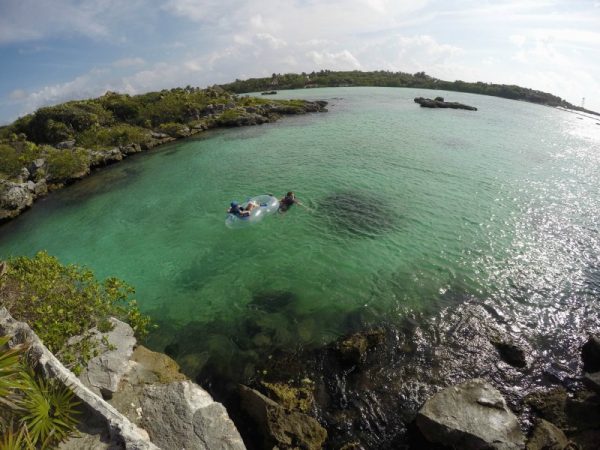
65	164
10	165
53	124
117	135
36	413
173	129
61	301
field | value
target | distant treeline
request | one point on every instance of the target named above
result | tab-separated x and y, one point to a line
328	78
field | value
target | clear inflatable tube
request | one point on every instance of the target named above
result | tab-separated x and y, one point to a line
267	204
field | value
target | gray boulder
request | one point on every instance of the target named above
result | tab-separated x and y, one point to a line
36	166
470	416
66	144
40	188
181	415
14	197
105	371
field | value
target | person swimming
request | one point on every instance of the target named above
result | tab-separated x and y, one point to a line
286	202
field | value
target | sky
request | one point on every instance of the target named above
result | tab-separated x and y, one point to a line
58	50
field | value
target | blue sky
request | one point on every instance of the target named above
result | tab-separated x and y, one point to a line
52	51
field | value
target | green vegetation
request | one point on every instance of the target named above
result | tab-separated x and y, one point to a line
329	78
72	136
116	119
35	414
60	302
114	136
9	161
65	164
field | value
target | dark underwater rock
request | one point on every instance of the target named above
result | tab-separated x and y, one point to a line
511	353
590	354
353	349
358	213
440	103
271	301
470	416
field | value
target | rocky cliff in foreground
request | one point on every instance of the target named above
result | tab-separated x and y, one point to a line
131	397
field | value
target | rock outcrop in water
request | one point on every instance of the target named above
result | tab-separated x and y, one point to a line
439	102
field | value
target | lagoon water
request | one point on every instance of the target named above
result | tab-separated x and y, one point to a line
406	209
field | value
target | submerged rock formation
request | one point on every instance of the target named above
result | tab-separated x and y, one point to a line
439	102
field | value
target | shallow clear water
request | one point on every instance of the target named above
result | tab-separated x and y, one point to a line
407	208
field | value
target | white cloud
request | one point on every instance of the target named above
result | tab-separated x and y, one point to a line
542	44
343	60
517	39
129	62
271	40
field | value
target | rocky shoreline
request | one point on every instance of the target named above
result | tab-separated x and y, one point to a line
37	180
461	379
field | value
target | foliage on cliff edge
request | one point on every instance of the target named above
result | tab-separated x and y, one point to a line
63	301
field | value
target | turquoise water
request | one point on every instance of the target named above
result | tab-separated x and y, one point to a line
406	209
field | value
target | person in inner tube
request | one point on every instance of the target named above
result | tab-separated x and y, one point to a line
237	210
287	201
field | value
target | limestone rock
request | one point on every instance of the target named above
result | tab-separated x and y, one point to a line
103	157
66	144
24	174
165	369
181	415
279	427
470	416
36	166
120	430
40	188
14	198
546	436
590	354
130	148
104	372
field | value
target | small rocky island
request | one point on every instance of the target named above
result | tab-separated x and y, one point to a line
439	102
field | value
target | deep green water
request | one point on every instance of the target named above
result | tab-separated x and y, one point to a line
408	209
